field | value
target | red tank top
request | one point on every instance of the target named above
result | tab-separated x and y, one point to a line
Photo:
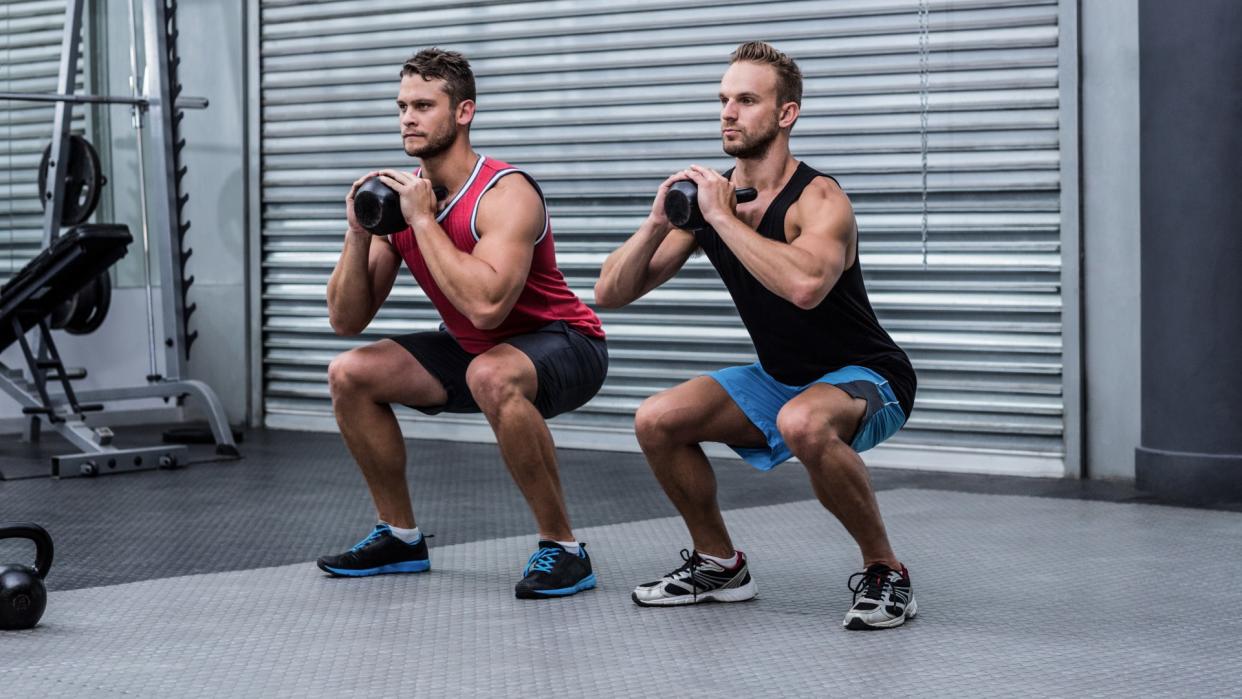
545	298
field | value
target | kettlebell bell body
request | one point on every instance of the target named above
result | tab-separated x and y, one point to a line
378	208
23	596
681	204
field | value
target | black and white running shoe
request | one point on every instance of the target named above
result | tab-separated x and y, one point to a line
698	580
883	599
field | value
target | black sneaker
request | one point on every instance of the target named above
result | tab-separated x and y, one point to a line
381	552
883	599
698	580
554	572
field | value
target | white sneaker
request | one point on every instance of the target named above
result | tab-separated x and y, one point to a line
698	580
883	599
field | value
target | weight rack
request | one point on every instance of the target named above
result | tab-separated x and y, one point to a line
162	107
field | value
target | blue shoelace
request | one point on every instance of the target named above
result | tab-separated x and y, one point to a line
542	560
375	534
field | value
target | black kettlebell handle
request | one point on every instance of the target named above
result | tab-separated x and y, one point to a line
743	194
41	539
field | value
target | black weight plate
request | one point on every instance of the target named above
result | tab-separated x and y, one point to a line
62	313
83	181
98	299
84	308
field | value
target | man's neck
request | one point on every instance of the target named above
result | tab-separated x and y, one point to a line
451	168
767	173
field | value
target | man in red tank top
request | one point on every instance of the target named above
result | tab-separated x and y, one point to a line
516	344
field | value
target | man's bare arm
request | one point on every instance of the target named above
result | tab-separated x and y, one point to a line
801	272
650	257
485	283
363	276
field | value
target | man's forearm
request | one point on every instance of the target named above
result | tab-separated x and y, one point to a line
623	277
787	271
349	287
470	284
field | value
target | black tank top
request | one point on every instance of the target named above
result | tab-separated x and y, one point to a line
798	346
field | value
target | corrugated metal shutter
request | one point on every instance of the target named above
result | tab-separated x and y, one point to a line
30	36
600	101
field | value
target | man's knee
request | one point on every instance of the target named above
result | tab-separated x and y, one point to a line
493	383
347	375
659	422
806	432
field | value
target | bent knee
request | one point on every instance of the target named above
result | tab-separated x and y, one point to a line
807	433
661	419
348	375
493	383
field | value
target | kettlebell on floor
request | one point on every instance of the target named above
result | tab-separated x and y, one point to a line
22	594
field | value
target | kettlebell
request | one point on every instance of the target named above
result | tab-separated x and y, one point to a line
681	204
378	208
22	594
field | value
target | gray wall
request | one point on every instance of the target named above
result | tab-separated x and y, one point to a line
1110	234
212	66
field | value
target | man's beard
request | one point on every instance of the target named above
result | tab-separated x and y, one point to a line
436	143
753	147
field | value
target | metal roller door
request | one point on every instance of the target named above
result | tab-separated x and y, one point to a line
30	37
600	101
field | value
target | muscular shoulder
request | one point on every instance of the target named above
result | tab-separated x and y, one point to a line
824	191
512	204
822	203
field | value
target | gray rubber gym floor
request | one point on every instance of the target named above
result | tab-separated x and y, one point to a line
201	582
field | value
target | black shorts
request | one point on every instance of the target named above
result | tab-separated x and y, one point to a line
570	367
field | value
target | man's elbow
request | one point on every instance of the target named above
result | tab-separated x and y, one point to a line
488	317
486	322
808	295
344	327
604	298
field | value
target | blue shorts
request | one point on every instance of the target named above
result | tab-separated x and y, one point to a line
761	397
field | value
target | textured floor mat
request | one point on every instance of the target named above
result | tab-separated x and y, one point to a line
1018	597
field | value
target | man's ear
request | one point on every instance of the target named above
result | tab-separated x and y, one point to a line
465	112
789	114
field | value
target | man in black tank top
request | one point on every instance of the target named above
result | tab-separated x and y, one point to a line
829	383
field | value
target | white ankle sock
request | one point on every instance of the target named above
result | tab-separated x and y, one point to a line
409	536
570	546
728	563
